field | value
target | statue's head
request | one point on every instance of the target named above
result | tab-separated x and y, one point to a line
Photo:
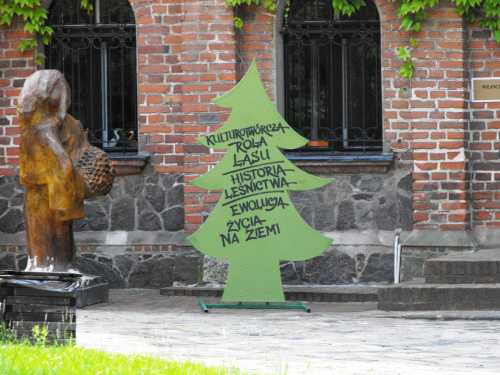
45	94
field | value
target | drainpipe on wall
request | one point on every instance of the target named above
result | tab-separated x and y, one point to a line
397	255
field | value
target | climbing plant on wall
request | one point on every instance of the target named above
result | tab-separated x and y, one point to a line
411	13
34	14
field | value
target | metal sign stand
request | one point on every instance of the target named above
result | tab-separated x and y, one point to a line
240	305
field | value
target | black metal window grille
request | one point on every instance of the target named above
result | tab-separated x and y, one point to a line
332	76
96	52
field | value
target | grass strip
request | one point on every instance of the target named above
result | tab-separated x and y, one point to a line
26	359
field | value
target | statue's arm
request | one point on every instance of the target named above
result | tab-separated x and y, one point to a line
65	185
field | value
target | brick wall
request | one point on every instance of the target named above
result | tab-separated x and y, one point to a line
186	57
209	70
256	40
14	68
484	127
189	52
430	114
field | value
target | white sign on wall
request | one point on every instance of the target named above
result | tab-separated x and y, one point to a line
485	89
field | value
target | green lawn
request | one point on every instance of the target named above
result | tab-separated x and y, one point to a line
26	359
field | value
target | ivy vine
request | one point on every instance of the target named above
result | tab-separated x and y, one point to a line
238	22
34	15
411	14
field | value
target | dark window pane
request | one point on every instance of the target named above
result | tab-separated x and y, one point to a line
122	106
362	96
68	12
332	76
116	12
314	10
299	80
96	53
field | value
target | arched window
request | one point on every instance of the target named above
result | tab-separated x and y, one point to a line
332	76
97	54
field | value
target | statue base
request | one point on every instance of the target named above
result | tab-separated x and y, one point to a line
47	300
86	290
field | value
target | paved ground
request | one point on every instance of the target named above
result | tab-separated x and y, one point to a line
335	338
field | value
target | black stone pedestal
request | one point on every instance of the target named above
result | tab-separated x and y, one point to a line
48	300
96	292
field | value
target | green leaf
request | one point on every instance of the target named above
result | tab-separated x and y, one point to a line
46	39
39	57
406	23
470	17
337	5
29	27
417	5
404	53
496	35
47	30
238	22
39	13
270	5
406	72
358	3
421	15
24	45
404	9
5	18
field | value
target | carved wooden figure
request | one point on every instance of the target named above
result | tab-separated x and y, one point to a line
59	169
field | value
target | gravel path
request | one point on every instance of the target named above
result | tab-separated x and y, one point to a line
335	338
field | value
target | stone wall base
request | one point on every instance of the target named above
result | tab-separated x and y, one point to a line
421	245
124	261
125	267
335	266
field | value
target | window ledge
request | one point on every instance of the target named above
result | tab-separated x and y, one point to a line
343	163
125	164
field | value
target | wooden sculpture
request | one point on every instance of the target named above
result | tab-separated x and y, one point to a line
59	168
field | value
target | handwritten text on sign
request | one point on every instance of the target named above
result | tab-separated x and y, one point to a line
257	184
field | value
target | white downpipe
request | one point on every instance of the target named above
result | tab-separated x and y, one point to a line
397	256
399	261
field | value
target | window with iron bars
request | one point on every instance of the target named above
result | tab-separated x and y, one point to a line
96	52
332	76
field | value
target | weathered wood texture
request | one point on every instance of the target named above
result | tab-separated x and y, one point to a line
53	145
26	305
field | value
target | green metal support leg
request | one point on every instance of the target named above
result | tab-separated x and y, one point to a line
240	305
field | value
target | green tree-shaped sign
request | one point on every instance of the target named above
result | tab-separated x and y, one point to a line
254	224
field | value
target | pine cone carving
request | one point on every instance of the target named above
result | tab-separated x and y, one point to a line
97	170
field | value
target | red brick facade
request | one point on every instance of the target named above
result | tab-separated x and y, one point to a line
190	52
15	67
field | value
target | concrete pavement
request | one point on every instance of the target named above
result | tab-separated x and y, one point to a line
335	338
